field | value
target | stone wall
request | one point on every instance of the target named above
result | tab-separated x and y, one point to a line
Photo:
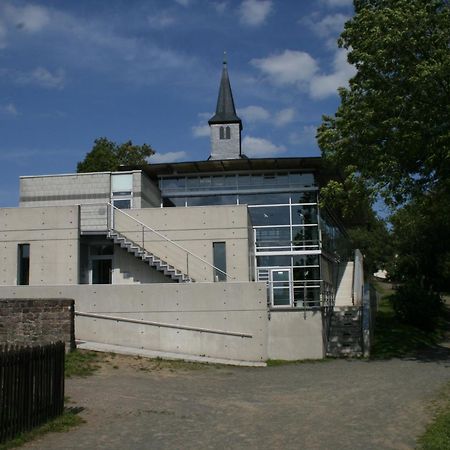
36	321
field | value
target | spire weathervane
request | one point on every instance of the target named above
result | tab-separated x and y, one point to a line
224	58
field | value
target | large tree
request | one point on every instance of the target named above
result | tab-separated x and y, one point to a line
391	132
393	123
106	155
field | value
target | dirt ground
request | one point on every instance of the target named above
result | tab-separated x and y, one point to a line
135	403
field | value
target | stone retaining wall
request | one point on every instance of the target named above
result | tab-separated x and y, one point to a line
36	321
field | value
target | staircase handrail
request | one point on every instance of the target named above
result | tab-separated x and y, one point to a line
111	226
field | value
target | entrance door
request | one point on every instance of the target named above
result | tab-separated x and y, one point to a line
101	270
280	287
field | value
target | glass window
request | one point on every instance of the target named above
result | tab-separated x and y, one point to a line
174	183
306	273
305	214
305	260
221	133
263	199
301	179
219	261
304	197
273	261
212	200
305	237
273	237
23	263
227	133
270	215
122	182
122	203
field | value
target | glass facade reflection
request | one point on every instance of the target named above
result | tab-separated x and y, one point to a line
292	236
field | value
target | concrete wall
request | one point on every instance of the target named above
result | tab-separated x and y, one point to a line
150	195
295	335
62	190
127	269
53	235
217	307
36	321
194	228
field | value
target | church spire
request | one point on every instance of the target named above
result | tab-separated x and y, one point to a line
225	109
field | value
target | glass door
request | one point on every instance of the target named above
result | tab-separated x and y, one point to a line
280	287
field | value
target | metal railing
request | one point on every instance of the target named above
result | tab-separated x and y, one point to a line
159	245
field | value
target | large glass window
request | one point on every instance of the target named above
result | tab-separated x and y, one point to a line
23	263
270	215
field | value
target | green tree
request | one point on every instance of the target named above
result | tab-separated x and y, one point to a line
106	155
393	123
392	128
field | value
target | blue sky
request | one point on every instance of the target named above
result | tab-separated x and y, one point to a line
149	71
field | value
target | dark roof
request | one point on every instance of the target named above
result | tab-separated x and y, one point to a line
225	110
313	164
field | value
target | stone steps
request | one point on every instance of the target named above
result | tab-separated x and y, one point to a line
345	335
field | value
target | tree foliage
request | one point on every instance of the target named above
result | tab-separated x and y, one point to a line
393	123
106	155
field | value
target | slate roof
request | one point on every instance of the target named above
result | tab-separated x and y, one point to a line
225	110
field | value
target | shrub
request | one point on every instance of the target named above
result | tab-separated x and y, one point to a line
417	306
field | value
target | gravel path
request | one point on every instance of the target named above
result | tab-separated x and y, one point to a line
134	404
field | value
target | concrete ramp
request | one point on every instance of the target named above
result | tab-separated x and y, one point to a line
345	285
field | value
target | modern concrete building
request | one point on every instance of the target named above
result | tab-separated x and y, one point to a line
220	223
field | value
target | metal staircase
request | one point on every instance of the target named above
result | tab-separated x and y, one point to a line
148	257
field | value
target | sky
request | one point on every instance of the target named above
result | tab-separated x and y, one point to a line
149	71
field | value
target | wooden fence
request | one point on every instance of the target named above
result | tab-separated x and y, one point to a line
31	387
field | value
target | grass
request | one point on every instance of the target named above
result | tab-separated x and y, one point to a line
285	362
60	424
437	434
81	363
394	339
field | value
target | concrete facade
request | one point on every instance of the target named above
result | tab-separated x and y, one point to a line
194	228
295	335
226	320
53	235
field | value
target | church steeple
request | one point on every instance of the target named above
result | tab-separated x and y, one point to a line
225	125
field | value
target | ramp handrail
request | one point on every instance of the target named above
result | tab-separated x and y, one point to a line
162	324
143	225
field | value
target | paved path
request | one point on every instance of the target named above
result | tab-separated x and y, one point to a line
325	405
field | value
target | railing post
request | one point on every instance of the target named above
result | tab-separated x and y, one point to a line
143	237
187	264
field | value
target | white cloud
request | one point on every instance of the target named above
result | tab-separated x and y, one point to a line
300	69
331	24
161	20
9	110
31	18
338	3
220	6
43	78
254	113
201	130
305	137
254	12
202	127
259	147
284	117
289	67
167	157
325	85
